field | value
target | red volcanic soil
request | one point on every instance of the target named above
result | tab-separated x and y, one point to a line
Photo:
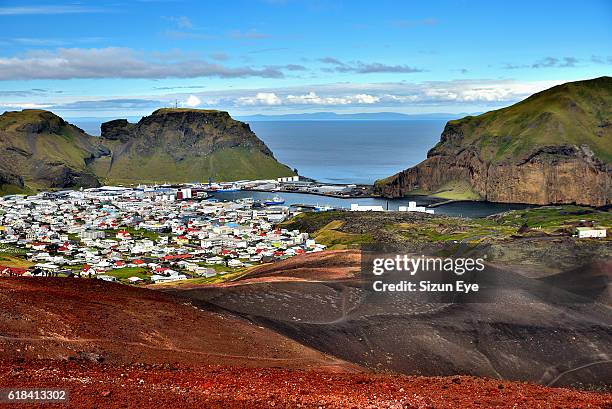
61	318
117	346
160	386
326	265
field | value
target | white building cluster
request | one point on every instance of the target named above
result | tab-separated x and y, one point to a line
97	232
412	207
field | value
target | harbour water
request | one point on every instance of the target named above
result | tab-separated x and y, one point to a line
348	151
463	209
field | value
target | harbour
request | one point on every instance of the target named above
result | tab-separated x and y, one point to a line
468	209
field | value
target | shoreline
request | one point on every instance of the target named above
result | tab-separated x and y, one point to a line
311	193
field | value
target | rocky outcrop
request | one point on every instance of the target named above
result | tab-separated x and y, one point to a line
552	174
7	178
185	145
548	175
117	130
185	131
524	153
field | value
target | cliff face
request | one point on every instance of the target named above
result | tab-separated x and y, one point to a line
554	147
185	145
38	149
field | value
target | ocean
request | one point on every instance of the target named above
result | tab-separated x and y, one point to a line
349	151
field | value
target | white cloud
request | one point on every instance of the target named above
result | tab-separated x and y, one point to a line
116	62
261	98
312	98
182	22
435	96
397	95
193	101
366	99
23	105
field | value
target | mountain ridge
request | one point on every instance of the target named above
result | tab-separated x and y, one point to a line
551	148
40	150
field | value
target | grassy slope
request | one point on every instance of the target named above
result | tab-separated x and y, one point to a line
456	190
6	190
222	165
346	229
219	278
554	217
7	260
68	146
574	113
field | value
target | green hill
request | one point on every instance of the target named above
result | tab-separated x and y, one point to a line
39	150
553	147
575	113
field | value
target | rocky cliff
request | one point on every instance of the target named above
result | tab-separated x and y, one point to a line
40	150
185	145
553	147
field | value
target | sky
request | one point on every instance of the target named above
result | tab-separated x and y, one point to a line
128	58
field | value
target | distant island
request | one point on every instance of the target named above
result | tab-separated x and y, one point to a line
553	147
370	116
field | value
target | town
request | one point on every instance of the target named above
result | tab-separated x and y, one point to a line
141	235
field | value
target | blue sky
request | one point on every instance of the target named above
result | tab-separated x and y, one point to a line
126	58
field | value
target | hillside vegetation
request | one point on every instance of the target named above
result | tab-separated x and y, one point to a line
575	113
555	147
341	229
39	150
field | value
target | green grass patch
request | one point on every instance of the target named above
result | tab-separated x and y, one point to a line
456	190
554	217
203	280
10	249
331	236
6	190
9	260
135	233
219	267
225	164
122	274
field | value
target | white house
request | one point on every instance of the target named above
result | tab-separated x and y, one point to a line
587	232
235	263
156	278
412	207
355	207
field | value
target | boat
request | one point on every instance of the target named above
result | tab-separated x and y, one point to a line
223	188
274	201
228	189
